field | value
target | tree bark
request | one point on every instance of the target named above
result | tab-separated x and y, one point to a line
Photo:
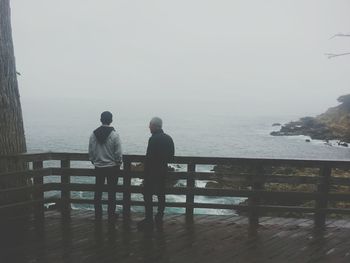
12	139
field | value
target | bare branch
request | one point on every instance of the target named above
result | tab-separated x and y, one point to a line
340	35
331	55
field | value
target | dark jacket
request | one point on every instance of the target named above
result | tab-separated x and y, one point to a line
160	151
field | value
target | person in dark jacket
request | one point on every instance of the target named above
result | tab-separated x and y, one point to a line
160	151
105	153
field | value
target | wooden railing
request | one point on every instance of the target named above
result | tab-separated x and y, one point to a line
255	193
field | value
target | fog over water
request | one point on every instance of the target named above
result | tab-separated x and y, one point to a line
218	72
195	132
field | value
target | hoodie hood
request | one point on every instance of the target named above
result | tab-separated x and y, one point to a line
160	131
102	133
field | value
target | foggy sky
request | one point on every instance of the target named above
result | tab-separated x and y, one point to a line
251	57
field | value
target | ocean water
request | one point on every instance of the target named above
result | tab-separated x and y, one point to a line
197	129
201	132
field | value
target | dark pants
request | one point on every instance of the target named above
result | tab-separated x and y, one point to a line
111	174
154	186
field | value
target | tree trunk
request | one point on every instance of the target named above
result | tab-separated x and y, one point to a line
12	140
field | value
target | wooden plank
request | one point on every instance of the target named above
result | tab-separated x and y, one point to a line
267	195
70	156
73	171
191	168
221	206
121	202
258	193
28	157
279	208
191	191
340	181
206	229
197	160
320	246
200	176
65	193
283	179
208	239
29	188
38	195
322	200
168	204
254	201
37	202
338	211
38	172
127	189
262	208
287	239
334	196
174	175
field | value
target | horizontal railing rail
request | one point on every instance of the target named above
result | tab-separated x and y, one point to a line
31	157
259	200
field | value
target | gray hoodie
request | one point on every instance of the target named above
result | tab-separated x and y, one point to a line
105	147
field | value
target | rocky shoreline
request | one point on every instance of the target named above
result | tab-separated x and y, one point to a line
238	178
307	126
334	124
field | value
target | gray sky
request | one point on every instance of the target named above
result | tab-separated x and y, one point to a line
250	57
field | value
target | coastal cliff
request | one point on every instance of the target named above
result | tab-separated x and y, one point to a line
334	124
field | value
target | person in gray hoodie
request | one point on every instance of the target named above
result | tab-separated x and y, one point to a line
105	153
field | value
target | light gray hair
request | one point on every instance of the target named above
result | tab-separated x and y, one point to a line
156	121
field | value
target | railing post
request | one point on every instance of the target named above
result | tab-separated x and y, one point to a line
322	201
126	188
254	201
190	187
65	192
38	194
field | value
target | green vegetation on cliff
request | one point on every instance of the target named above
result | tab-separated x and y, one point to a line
334	124
337	119
239	177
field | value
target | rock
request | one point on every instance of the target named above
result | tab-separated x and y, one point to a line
213	184
344	144
276	124
139	167
225	173
307	126
328	143
334	124
308	140
52	206
180	184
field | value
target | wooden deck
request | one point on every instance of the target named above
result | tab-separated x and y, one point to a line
208	239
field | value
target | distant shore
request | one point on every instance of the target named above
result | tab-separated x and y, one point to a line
334	124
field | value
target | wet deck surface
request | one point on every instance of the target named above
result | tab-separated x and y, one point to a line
208	239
